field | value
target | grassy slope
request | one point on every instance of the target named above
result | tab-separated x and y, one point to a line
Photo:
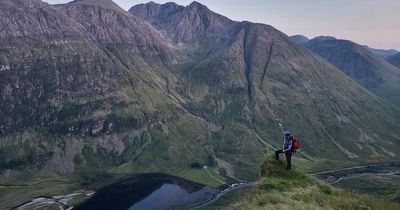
22	191
281	189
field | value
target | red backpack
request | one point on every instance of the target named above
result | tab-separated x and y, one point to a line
295	144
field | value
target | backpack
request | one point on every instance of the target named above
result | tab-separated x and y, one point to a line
295	144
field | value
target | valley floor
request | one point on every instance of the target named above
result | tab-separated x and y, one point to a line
271	191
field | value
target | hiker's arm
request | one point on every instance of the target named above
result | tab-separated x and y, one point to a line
289	148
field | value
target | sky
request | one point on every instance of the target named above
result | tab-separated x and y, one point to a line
370	22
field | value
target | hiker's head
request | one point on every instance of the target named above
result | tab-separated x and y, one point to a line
286	133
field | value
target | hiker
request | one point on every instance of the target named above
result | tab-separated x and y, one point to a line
287	149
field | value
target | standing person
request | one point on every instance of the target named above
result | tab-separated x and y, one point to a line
287	149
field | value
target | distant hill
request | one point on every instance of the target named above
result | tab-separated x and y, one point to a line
300	39
361	65
382	53
394	60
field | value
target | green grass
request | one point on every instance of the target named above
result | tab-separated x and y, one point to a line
77	200
230	197
201	176
23	191
49	207
282	189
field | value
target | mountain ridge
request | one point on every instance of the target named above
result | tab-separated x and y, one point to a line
182	18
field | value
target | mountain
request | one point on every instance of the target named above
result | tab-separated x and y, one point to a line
394	60
300	39
81	82
89	89
382	53
360	64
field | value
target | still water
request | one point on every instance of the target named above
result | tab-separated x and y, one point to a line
150	192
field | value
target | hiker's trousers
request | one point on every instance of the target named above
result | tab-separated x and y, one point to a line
288	155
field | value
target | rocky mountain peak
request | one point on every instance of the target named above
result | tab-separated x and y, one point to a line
109	4
23	3
198	5
34	18
184	24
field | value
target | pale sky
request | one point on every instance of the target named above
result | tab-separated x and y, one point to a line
371	22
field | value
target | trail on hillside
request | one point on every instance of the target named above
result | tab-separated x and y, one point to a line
337	175
215	178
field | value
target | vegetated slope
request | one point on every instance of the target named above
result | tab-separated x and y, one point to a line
258	79
100	89
361	65
394	60
283	189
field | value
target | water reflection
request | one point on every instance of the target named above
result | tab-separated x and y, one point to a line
149	192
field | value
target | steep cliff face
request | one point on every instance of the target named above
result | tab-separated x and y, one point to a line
74	73
194	23
82	60
45	52
361	65
101	89
35	19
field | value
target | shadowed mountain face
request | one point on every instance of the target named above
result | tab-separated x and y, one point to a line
361	65
394	60
101	89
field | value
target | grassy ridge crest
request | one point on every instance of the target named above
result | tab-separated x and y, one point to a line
282	189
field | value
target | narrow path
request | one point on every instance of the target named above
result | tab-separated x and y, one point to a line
395	173
224	192
61	201
215	178
264	142
349	168
337	175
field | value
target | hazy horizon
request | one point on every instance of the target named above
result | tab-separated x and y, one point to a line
366	22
